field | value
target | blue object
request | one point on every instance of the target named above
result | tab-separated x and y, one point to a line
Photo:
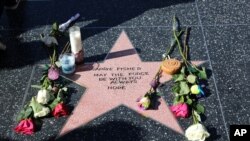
68	63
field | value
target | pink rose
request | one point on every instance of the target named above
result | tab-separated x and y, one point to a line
26	126
180	110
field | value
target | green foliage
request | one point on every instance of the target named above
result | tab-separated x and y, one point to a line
176	100
197	116
192	69
202	74
183	70
25	113
54	103
191	78
184	89
181	99
200	109
178	77
176	88
189	101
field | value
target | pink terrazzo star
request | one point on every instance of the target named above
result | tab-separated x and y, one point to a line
119	80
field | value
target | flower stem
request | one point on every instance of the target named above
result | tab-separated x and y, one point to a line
180	49
194	118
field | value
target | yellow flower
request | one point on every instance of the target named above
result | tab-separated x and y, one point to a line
195	89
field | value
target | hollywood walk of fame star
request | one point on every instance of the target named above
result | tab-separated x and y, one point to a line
119	80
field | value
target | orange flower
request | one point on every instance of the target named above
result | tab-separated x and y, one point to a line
171	66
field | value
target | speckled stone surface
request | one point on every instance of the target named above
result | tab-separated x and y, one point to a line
230	57
13	86
50	125
213	12
219	36
98	13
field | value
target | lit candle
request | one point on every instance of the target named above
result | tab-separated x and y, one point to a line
76	43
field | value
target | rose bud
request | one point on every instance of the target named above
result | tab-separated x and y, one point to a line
25	126
180	110
53	73
154	83
60	110
144	102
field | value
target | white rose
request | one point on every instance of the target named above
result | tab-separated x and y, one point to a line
196	132
43	96
44	112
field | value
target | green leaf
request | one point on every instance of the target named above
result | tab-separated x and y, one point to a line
197	116
202	74
191	78
189	101
181	99
36	86
20	115
35	105
159	94
55	26
28	112
24	113
183	70
176	88
178	77
42	79
52	97
200	109
176	100
54	103
192	69
184	89
65	89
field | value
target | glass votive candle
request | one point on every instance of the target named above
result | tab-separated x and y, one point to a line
76	43
67	61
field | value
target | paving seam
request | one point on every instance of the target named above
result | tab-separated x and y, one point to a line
210	64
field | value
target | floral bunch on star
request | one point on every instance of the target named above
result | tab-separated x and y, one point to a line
52	93
188	88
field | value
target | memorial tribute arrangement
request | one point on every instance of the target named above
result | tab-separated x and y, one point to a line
187	88
52	93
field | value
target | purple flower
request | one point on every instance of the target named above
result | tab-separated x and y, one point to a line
154	83
53	73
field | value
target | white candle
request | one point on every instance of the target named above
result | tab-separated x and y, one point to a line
75	39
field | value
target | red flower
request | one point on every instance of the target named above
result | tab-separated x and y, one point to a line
53	73
60	110
180	110
26	126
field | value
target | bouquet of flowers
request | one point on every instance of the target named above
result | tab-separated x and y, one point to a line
187	88
50	99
